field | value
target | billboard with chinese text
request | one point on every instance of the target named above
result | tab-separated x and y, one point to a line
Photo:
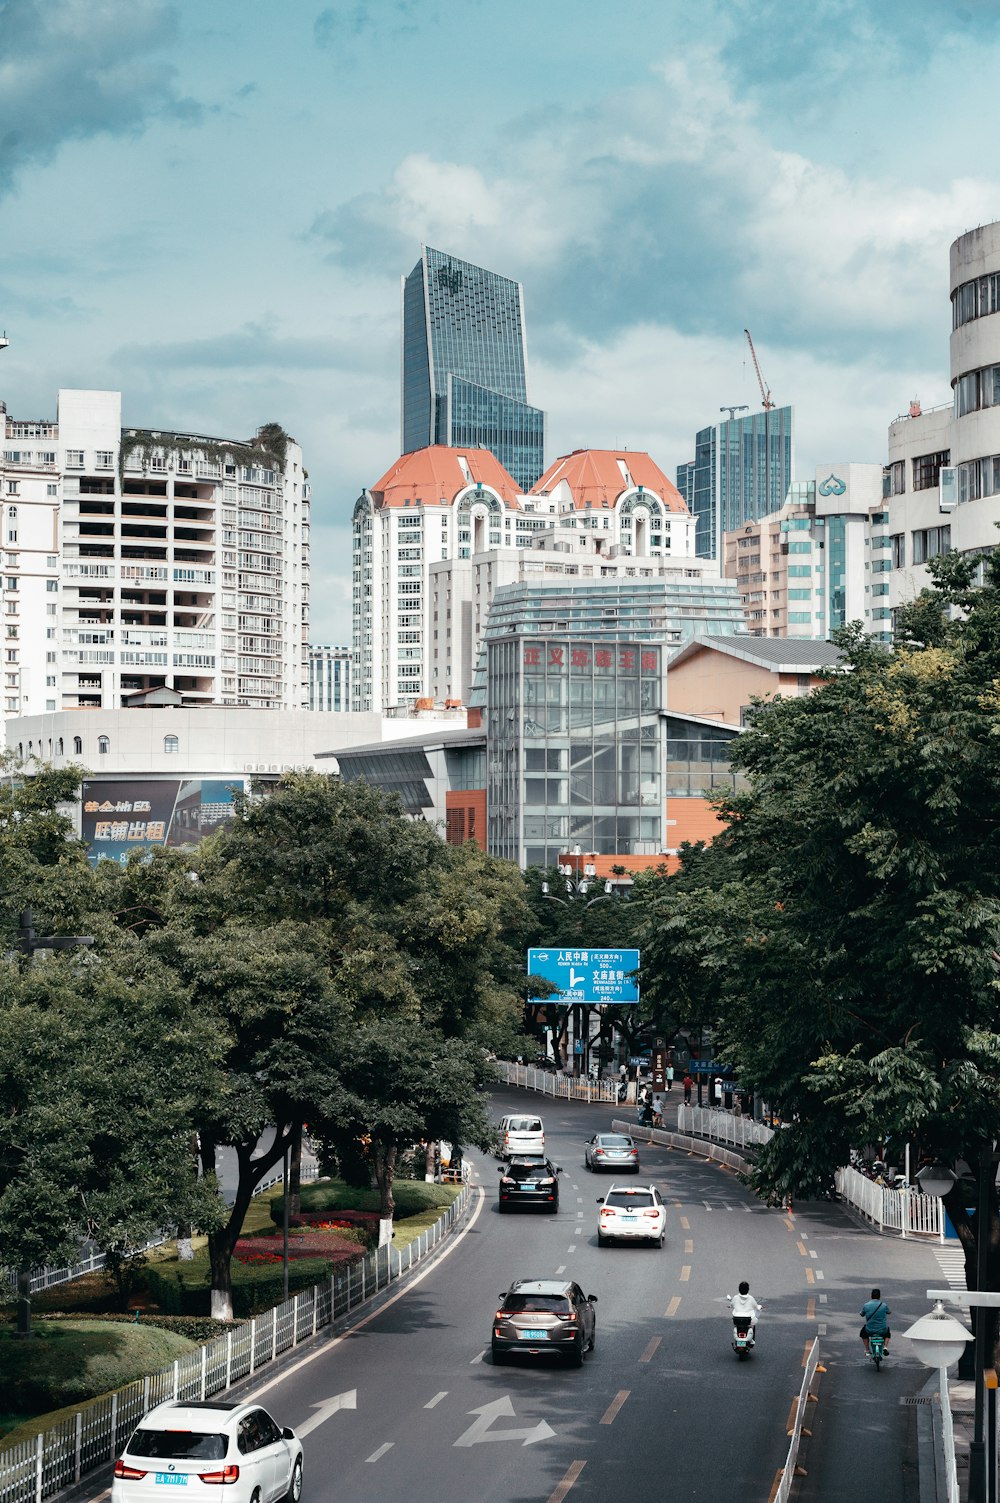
134	814
588	977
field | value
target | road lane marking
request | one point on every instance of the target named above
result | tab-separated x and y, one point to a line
821	1328
805	1355
647	1355
437	1399
579	1200
823	1299
572	1472
689	1244
673	1306
478	1357
685	1273
685	1224
610	1414
820	1274
571	1248
560	1269
707	1204
813	1253
810	1309
802	1249
327	1407
380	1452
481	1428
789	1223
809	1276
454	1241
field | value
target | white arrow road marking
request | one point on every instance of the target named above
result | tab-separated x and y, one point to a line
500	1409
324	1410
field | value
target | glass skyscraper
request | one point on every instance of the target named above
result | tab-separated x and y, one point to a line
464	359
741	472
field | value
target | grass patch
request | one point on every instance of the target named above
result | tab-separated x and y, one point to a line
69	1361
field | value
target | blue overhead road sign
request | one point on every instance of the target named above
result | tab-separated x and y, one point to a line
592	977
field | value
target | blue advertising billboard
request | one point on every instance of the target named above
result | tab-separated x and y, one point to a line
591	977
119	816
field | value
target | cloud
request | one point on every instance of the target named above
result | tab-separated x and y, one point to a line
358	346
673	203
336	23
73	69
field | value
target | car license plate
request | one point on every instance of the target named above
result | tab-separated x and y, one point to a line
630	1219
529	1188
532	1335
179	1479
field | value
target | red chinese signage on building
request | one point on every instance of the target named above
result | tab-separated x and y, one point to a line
626	658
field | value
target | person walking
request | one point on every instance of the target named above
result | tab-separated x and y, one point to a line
688	1085
670	1077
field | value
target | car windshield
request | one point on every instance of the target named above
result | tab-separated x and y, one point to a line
524	1124
178	1445
628	1199
530	1171
609	1140
520	1304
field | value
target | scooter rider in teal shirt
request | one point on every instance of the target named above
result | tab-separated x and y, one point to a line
876	1313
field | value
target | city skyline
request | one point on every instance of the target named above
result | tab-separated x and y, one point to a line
212	216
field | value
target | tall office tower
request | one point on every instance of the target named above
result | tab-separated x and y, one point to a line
464	359
741	471
157	561
329	678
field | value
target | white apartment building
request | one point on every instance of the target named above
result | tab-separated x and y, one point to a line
329	678
943	475
138	559
820	561
443	529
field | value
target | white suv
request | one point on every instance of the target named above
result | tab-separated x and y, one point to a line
202	1447
634	1213
521	1133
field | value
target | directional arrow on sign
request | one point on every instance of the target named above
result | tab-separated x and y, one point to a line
324	1410
480	1430
574	979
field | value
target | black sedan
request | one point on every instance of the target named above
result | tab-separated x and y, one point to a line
529	1180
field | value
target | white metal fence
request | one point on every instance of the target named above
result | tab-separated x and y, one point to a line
946	1449
904	1211
722	1127
551	1083
784	1490
34	1469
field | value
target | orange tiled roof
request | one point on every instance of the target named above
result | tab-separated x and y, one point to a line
430	476
595	476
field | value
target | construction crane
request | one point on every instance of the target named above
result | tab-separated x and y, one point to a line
765	391
734	409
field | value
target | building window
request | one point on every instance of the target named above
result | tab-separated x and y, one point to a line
170	744
74	459
105	459
894	479
929	542
78	746
59	747
52	586
51	490
898	544
927	469
103	745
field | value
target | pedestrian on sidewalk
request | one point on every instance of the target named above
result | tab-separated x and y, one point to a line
670	1077
688	1085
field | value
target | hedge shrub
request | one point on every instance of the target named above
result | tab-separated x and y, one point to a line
185	1288
197	1328
67	1362
412	1197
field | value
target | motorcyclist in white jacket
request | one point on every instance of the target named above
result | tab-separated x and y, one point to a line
744	1303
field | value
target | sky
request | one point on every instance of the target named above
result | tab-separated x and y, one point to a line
208	204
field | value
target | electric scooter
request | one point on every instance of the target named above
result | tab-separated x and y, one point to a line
743	1334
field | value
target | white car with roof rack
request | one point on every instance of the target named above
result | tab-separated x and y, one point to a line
632	1213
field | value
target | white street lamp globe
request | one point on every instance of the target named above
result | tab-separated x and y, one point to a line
938	1338
935	1179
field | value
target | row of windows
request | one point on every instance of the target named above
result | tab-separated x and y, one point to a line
170	746
975	299
977	389
927	542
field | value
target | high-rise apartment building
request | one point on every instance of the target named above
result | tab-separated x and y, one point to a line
741	471
329	678
137	560
464	365
819	562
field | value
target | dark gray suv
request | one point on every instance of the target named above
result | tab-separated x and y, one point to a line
549	1316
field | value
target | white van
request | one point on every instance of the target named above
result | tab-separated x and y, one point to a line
522	1133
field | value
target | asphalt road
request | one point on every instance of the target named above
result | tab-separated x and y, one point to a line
662	1405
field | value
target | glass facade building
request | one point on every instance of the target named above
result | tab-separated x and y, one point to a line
574	745
464	378
741	472
330	678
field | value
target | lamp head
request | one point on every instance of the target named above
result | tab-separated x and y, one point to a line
938	1338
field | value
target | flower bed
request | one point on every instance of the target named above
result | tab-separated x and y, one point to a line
311	1244
332	1220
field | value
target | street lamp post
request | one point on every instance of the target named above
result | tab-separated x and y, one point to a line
578	887
938	1179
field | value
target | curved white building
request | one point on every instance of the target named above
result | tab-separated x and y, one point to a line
943	476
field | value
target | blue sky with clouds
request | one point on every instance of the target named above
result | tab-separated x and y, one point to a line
208	204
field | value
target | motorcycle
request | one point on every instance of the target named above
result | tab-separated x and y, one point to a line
743	1334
